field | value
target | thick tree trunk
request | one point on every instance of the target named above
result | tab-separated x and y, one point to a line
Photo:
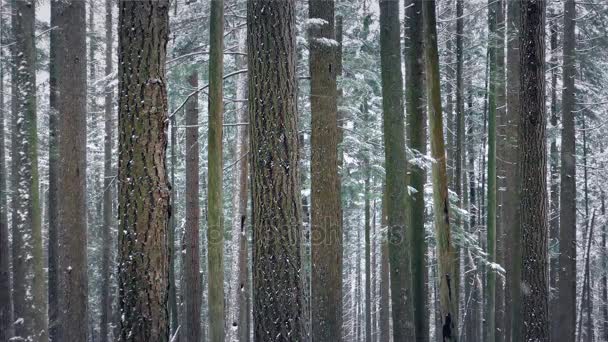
279	297
143	188
215	230
192	276
395	165
326	228
30	301
108	213
511	196
72	285
567	225
445	252
237	329
533	171
416	133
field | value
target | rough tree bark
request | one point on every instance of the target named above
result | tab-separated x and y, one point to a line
143	188
72	280
533	171
278	292
446	255
326	229
567	225
395	165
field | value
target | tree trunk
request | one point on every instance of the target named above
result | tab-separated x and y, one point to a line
108	213
215	230
143	188
567	225
6	298
368	251
490	291
192	276
384	317
533	171
72	285
30	301
511	196
416	133
395	165
279	297
326	229
53	244
445	252
239	288
472	290
500	165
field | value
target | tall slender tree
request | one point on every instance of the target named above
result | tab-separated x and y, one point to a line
278	292
53	243
191	244
143	188
416	134
326	230
30	301
238	298
510	204
533	171
567	225
395	165
446	256
490	290
215	230
72	285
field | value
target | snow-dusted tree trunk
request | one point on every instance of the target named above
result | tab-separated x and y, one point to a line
238	316
143	189
30	303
